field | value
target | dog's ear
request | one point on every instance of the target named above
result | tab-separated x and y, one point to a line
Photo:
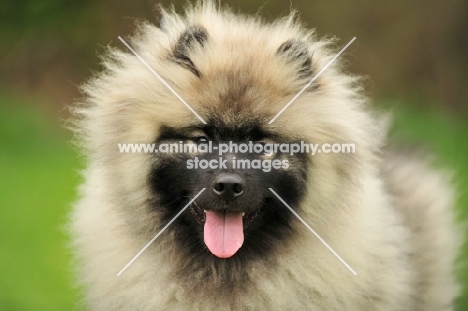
188	40
296	51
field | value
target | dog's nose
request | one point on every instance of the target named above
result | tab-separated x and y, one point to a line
228	186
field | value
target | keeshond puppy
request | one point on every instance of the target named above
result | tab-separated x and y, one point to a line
238	246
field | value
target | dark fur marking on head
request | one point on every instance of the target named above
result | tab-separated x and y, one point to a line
173	185
240	130
195	35
297	51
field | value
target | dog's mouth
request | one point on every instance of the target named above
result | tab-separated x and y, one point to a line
223	230
200	215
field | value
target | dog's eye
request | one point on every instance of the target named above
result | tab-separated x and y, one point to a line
200	140
266	147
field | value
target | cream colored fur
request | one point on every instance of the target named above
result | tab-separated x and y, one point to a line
388	217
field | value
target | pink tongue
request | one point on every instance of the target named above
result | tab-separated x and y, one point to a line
224	233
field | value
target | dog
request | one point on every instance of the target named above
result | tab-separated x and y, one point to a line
235	244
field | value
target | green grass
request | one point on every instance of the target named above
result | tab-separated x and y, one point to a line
38	177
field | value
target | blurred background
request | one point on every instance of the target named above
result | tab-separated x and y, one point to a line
414	53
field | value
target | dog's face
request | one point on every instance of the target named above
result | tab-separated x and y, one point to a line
237	215
237	83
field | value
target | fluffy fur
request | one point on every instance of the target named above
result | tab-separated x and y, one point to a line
386	214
